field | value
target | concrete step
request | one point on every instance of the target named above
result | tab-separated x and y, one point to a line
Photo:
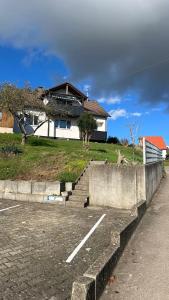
78	198
84	181
75	204
82	187
80	192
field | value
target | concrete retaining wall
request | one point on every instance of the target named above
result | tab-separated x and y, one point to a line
91	285
153	175
124	186
29	190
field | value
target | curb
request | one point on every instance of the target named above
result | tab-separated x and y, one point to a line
91	285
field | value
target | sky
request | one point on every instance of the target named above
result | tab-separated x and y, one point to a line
117	50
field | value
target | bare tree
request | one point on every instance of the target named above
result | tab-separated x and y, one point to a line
133	128
18	102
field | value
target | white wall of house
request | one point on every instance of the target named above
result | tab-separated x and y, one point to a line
72	133
42	131
56	132
164	153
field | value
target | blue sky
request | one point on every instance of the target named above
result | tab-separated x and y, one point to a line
18	66
119	51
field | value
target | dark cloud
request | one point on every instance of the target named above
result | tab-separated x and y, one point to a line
119	45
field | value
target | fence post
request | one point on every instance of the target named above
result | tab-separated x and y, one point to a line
144	151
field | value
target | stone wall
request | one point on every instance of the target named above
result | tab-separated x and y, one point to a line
123	187
29	190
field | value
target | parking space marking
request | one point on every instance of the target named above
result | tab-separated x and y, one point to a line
70	258
9	208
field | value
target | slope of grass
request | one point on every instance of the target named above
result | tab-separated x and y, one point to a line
46	159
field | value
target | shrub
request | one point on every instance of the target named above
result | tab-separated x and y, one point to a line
113	140
167	156
68	177
124	142
10	150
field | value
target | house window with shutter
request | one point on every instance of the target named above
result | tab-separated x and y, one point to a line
63	124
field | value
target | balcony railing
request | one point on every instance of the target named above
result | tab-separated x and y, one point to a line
99	136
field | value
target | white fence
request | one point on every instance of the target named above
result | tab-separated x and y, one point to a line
151	153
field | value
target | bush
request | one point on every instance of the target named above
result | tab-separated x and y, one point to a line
10	150
68	177
113	140
167	156
124	142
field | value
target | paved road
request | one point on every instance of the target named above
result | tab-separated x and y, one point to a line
35	242
143	270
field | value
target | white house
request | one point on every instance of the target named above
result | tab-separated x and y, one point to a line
67	103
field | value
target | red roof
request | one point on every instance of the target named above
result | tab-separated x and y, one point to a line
157	141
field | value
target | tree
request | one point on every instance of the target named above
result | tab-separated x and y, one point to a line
87	124
133	127
17	102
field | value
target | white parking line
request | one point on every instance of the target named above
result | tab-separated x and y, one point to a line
70	258
9	208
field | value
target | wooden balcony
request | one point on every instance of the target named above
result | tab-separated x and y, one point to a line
99	136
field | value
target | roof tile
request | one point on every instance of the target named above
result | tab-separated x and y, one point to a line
157	141
95	108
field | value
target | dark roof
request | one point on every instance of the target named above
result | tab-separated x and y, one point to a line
71	88
95	108
89	105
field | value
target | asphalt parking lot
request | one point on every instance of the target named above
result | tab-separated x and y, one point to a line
36	243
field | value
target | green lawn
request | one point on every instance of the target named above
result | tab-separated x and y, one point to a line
45	159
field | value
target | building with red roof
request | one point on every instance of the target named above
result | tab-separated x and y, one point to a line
158	141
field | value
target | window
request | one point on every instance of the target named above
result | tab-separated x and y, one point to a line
64	124
33	120
0	116
36	120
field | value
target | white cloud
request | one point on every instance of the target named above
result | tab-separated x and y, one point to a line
136	114
122	113
117	113
112	100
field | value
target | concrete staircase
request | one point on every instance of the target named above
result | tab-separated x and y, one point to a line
80	195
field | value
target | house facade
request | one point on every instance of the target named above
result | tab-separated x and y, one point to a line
158	141
66	103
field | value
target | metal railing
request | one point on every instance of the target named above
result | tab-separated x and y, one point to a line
151	153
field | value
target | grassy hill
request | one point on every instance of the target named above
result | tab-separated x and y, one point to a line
46	159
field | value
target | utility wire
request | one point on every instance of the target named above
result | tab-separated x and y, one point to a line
150	66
